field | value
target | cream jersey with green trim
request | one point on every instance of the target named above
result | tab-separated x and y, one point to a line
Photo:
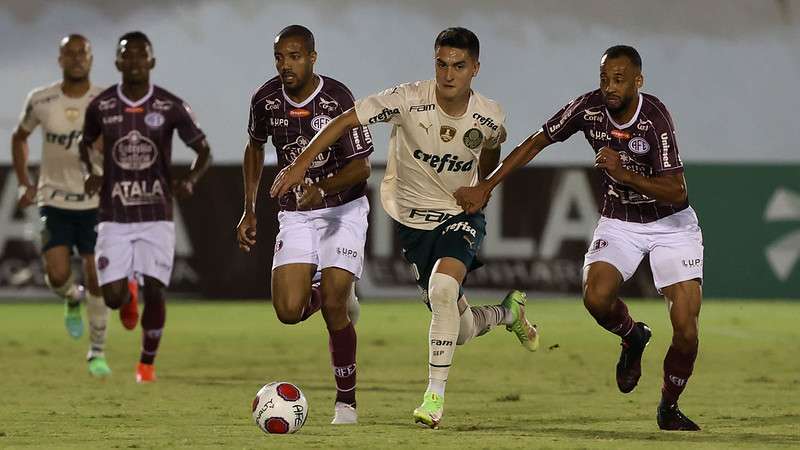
431	154
61	171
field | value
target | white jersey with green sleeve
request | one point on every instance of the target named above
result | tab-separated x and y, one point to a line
61	118
431	154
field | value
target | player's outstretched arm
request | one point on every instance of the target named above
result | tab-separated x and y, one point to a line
355	172
252	167
201	163
472	199
19	156
670	188
293	174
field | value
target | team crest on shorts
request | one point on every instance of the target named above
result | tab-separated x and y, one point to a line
473	138
278	246
598	245
102	263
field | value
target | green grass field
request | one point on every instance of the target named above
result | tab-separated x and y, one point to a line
745	392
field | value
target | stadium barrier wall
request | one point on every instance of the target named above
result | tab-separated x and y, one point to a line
540	223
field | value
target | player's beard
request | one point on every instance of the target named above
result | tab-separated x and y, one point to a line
76	78
624	102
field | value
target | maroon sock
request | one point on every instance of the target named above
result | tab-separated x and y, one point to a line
342	345
153	318
677	370
618	321
314	303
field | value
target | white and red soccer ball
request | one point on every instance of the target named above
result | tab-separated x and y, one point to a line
280	408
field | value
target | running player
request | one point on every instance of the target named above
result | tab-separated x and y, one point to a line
135	121
645	211
69	216
444	135
323	225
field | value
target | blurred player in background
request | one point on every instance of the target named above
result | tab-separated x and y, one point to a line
69	215
135	121
323	223
645	211
444	135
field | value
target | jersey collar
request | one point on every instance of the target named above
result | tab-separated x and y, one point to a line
630	122
308	99
130	102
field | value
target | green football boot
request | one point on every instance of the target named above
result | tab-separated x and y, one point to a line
72	319
527	334
430	411
98	367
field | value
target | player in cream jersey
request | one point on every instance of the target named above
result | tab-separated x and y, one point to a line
430	152
69	216
60	182
443	134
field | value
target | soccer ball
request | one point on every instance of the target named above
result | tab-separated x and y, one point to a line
280	408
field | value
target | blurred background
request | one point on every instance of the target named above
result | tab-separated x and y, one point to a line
726	69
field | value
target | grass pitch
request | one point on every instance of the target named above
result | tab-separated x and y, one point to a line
745	391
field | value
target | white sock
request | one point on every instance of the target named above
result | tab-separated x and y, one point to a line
443	334
508	318
98	312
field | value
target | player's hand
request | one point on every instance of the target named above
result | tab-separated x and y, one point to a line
289	177
246	231
472	199
609	160
92	184
183	188
310	198
27	196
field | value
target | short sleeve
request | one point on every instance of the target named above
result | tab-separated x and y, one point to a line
567	121
356	143
498	135
258	123
92	127
28	119
666	158
188	129
385	106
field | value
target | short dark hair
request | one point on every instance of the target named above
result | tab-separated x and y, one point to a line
134	36
626	51
458	37
298	31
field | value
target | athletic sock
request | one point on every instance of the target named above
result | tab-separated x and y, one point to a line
342	345
98	318
619	322
153	318
678	368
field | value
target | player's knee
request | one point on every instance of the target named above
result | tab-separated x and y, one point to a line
57	276
443	290
335	307
288	313
114	295
153	293
597	297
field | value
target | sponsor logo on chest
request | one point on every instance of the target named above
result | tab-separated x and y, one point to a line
134	151
447	162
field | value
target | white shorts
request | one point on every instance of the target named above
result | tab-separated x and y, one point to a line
125	249
674	243
329	237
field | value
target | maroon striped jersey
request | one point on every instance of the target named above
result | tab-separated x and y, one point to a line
137	151
292	125
646	145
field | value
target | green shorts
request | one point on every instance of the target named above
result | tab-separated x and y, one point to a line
71	228
459	237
